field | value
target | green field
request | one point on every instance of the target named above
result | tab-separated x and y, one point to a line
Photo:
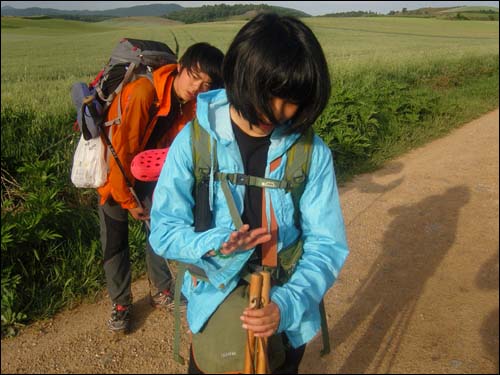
48	55
397	83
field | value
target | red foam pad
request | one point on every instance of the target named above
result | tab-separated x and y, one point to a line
147	165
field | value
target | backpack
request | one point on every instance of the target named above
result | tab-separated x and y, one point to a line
296	171
131	59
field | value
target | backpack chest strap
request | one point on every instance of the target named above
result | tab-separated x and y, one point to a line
243	179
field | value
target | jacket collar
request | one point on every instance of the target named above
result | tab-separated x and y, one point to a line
212	110
163	79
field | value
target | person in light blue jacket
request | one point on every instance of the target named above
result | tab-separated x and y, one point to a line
276	85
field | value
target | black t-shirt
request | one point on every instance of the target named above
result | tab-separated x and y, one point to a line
253	152
163	123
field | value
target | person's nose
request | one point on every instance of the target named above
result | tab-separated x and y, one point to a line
283	109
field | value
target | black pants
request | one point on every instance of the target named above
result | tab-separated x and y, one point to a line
291	365
117	268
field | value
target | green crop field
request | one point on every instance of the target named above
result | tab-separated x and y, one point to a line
397	83
46	56
352	42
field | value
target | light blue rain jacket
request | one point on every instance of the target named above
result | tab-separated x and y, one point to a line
173	237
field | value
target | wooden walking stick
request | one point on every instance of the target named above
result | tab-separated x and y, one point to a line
254	302
262	366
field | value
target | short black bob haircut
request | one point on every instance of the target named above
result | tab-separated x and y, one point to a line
207	59
276	56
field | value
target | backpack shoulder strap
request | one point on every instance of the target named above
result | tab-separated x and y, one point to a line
295	177
297	168
129	77
204	153
296	173
200	147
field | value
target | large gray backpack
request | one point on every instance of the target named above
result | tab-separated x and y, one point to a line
131	59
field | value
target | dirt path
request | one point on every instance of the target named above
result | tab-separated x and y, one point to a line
419	292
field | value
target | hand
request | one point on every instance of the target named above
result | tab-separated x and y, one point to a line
245	239
139	213
262	322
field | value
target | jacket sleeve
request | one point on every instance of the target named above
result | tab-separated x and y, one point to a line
127	137
325	244
172	221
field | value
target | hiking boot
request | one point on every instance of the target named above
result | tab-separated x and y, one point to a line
165	299
120	318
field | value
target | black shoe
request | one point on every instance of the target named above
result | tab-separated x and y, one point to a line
120	318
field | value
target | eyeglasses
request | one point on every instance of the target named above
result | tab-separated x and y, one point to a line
195	76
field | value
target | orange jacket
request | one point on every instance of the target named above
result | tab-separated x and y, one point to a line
132	134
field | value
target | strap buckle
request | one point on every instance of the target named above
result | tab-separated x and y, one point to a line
242	179
238	178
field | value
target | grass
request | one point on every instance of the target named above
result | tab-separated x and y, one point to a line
397	83
377	114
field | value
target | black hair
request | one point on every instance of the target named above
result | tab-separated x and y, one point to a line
207	59
276	56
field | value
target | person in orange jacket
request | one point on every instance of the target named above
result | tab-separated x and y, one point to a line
152	114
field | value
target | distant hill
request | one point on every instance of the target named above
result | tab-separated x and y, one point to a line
135	11
472	9
479	13
483	13
354	13
206	13
221	12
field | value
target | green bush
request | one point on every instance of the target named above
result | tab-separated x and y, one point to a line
51	255
374	115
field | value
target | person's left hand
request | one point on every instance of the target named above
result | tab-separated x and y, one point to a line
263	322
245	239
139	213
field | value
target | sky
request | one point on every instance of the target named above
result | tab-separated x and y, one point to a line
314	8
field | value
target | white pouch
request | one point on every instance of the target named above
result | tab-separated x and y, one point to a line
89	164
